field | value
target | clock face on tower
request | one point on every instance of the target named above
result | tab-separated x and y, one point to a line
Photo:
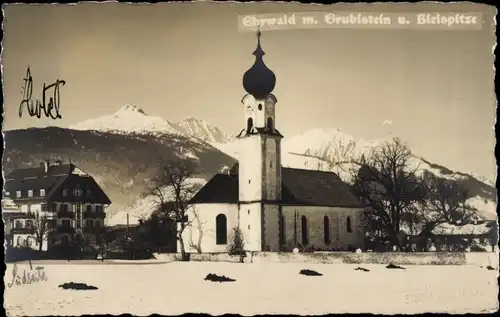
248	109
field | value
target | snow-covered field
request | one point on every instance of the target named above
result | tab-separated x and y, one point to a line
178	287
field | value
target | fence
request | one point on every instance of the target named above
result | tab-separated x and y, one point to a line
401	258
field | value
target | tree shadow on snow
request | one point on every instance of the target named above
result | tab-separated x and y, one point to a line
310	273
217	278
77	286
392	266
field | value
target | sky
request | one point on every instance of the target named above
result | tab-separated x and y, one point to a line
432	88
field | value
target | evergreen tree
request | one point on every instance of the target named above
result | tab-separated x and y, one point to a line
237	246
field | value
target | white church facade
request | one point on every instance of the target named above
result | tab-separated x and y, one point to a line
276	208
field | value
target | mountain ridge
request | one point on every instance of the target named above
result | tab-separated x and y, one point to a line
138	139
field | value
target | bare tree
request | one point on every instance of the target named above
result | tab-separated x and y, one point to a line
172	191
446	202
199	228
388	186
41	229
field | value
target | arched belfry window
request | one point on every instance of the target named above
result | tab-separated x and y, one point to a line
221	229
326	229
270	124
249	124
348	224
305	231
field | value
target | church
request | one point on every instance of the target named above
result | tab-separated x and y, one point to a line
275	208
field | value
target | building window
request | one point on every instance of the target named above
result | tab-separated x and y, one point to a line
42	192
97	223
51	224
271	164
221	229
98	208
43	207
18	224
348	224
89	208
89	223
28	208
270	124
326	229
29	223
260	106
30	193
78	215
65	192
19	241
77	192
305	238
249	181
64	208
249	124
248	227
248	211
66	223
18	194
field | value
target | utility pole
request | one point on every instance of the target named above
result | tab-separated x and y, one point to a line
127	226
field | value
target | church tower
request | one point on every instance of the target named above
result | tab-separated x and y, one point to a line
259	156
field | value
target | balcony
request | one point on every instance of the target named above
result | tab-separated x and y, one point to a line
94	214
65	229
65	214
22	230
94	230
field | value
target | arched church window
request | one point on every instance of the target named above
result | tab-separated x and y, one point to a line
348	224
305	231
326	229
260	106
249	124
221	229
270	124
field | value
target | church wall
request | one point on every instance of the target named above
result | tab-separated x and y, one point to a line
250	225
271	228
337	216
270	176
203	223
250	169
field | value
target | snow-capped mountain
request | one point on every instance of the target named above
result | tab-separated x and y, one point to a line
130	119
332	150
325	149
202	130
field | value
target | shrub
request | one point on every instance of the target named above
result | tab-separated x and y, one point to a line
237	245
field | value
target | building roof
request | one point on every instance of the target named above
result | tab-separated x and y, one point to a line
56	177
299	187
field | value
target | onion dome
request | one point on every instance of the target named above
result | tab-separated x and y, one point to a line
259	80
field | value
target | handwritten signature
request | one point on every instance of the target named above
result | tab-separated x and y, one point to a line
28	277
50	109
